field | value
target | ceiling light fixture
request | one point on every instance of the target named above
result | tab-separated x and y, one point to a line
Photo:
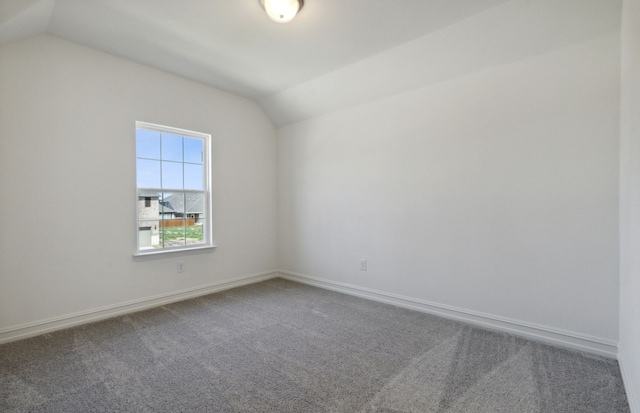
281	11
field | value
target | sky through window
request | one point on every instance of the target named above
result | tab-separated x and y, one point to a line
168	161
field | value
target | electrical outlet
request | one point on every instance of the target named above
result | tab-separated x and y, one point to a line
363	265
181	267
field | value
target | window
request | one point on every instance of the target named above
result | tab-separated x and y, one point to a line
173	189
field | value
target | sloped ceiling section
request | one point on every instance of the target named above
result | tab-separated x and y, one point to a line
334	55
24	18
514	31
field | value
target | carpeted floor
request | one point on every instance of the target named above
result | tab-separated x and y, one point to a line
280	346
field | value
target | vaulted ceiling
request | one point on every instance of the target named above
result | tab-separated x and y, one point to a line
334	54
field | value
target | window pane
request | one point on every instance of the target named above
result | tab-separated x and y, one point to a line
144	237
148	234
171	208
148	205
193	149
173	232
167	205
148	220
195	235
148	173
147	144
171	147
194	210
194	203
193	176
172	175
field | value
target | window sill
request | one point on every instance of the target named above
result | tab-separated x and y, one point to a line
145	256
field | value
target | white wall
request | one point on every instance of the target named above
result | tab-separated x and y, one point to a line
493	193
630	203
67	181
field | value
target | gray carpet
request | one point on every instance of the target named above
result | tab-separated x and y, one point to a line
280	346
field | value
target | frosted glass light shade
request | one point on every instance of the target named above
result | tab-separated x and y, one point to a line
281	11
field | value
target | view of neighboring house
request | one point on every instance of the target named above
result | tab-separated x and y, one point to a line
177	209
190	206
148	219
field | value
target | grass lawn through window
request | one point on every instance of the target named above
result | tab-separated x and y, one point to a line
177	235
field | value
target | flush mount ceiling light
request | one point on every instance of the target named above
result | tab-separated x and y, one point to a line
281	11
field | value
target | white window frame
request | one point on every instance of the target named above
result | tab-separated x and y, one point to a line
207	244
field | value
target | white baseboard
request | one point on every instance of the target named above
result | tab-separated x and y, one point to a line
632	396
545	334
58	323
541	333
